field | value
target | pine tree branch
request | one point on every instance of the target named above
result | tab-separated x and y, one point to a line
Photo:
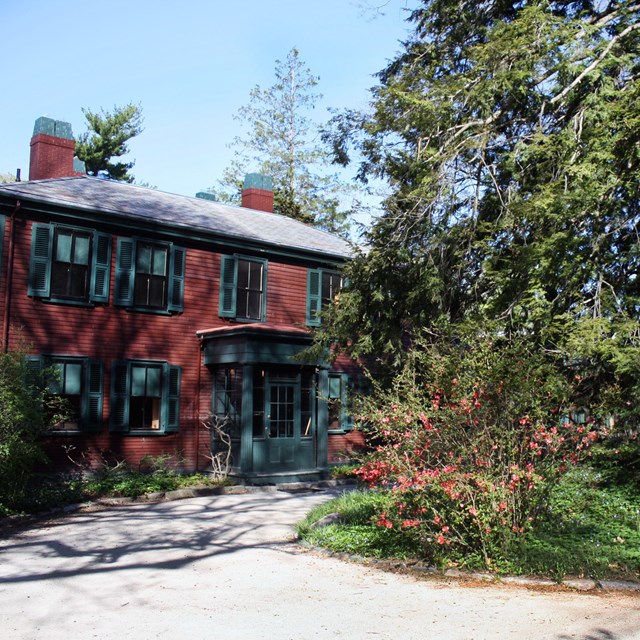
578	79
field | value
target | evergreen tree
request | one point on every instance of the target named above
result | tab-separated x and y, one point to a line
7	177
508	132
282	142
107	138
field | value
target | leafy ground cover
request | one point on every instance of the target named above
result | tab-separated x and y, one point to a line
46	492
590	528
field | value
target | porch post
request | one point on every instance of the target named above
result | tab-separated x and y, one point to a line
246	438
323	417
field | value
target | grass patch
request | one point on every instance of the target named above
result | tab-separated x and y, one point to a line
591	529
355	534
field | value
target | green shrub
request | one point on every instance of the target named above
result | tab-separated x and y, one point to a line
344	471
470	438
21	426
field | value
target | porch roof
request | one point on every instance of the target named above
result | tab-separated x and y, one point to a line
256	343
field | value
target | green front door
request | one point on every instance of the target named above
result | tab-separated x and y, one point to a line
287	442
283	425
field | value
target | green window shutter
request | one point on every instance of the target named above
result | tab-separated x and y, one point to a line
92	395
176	279
264	291
33	367
125	272
101	267
335	386
171	399
119	406
40	264
228	276
314	297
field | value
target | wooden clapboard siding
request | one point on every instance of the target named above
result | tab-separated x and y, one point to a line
286	294
109	333
342	446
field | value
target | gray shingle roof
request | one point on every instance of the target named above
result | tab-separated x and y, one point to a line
194	214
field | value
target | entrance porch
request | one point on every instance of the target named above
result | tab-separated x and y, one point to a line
271	403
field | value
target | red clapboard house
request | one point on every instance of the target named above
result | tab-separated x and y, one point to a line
159	311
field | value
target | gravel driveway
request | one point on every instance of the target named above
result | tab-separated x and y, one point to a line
222	567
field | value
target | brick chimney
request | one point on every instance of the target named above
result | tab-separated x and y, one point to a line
257	192
52	147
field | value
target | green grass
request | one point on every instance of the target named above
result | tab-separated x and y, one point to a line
355	534
591	528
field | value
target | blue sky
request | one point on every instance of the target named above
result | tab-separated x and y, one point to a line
189	64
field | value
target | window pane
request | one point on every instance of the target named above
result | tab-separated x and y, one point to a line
78	276
144	413
154	382
243	274
143	259
81	250
138	381
335	414
242	302
141	290
334	386
330	286
254	305
63	246
157	286
159	261
55	384
59	278
73	378
255	276
71	419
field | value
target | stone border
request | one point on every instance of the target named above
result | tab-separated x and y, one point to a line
419	569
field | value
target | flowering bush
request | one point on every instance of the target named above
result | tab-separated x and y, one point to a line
469	440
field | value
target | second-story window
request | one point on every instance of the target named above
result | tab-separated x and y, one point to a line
70	267
69	264
250	277
149	276
322	288
243	288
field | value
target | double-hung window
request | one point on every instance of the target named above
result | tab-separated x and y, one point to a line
322	288
243	284
145	397
77	382
149	275
340	418
69	264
